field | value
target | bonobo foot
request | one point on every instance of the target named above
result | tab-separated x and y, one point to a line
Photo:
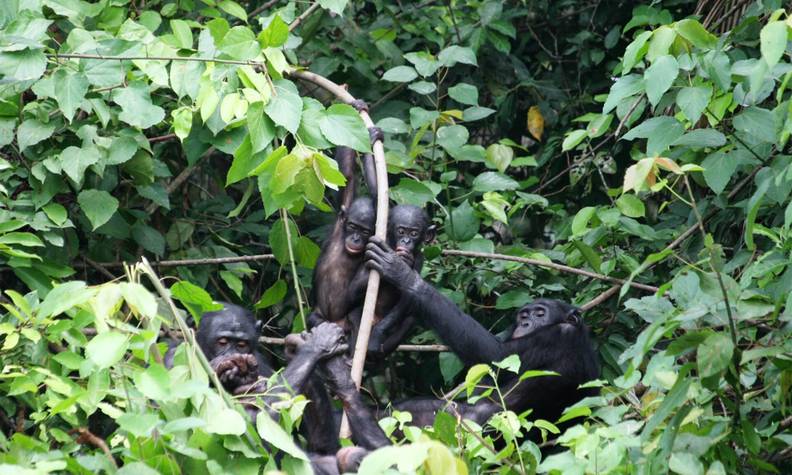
349	458
326	339
235	370
337	375
375	133
359	105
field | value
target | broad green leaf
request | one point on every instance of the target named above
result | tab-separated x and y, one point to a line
474	375
154	382
420	117
693	100
599	126
335	6
33	131
272	295
499	156
623	87
271	432
661	42
341	124
98	206
758	123
107	349
752	208
182	122
244	162
457	54
412	192
275	34
56	213
278	242
74	161
452	136
635	51
631	206
701	138
185	78
181	31
581	220
139	299
139	425
714	354
327	171
240	43
573	139
659	77
492	181
233	8
464	93
773	41
694	32
25	65
400	74
425	63
661	132
195	299
64	297
260	127
476	113
285	107
306	252
149	238
22	239
136	106
422	87
70	91
463	223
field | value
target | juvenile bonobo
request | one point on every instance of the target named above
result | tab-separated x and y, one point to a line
548	335
342	252
229	339
409	229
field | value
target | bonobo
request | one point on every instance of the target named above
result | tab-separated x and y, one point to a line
548	335
408	229
229	339
342	251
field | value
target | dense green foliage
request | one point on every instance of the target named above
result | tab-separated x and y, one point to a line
585	133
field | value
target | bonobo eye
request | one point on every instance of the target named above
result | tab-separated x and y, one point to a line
242	344
573	317
222	341
539	312
414	234
400	231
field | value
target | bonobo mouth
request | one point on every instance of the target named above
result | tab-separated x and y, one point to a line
354	249
405	254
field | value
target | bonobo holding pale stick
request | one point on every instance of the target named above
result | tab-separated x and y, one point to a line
342	251
409	228
548	335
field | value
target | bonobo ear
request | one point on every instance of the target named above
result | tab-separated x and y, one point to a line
190	321
342	213
430	233
574	317
259	326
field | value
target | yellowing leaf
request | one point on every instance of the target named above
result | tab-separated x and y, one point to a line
535	122
668	164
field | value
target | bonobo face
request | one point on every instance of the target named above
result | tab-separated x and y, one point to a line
408	229
544	312
358	225
232	330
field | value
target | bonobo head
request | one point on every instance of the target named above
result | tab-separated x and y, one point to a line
542	313
358	224
408	229
232	330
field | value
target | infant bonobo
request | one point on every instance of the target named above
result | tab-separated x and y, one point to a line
409	229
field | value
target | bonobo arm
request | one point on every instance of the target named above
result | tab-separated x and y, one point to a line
369	170
467	338
365	430
389	332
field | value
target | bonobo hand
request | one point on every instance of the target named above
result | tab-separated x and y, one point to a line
235	370
337	376
325	339
375	133
381	258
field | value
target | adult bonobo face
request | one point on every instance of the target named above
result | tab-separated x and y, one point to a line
408	230
358	225
543	313
232	330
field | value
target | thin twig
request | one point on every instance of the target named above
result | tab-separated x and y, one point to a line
293	26
262	8
292	261
269	340
180	179
154	58
600	298
99	267
86	436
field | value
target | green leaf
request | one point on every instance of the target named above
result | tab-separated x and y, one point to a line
452	137
773	41
107	349
422	87
693	100
573	139
581	220
181	31
182	122
400	74
714	354
33	131
240	43
662	39
136	107
63	297
244	162
139	425
341	124
474	375
464	93
98	206
25	65
701	138
409	191
752	208
195	299
271	432
425	63
56	213
139	299
272	295
149	238
420	117
599	126
285	107
757	123
306	252
457	54
661	132
463	224
233	9
685	463
278	242
22	239
635	51
74	161
499	156
335	6
623	87
631	206
694	32
659	77
492	181
275	34
260	127
70	91
327	171
154	382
